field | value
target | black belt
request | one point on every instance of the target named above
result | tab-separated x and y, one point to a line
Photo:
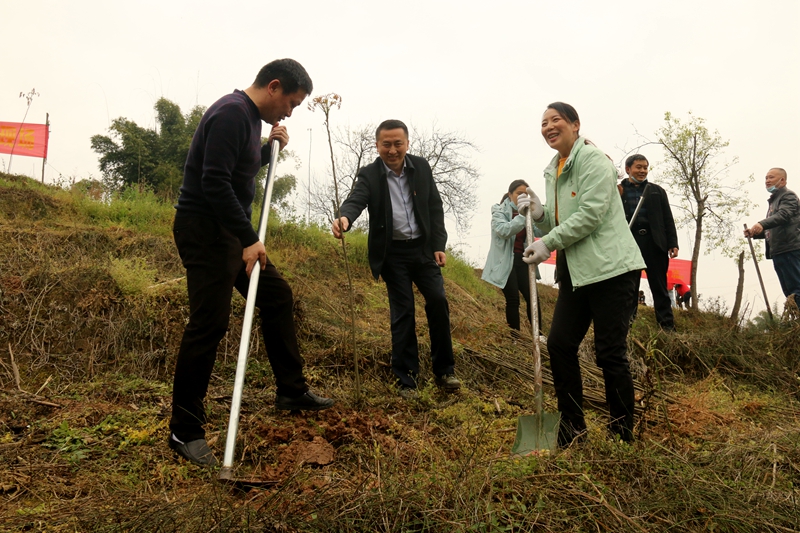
407	243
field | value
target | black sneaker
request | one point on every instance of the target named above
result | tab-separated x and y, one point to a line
196	451
448	382
305	402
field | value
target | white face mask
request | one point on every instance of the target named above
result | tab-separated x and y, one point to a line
772	189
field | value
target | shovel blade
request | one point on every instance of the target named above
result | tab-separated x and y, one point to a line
536	433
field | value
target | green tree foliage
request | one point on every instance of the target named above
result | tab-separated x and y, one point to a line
284	184
713	204
135	156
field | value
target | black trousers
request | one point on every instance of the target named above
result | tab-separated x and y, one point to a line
518	282
406	264
657	262
608	304
212	257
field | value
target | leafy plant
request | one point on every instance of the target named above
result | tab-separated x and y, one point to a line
132	275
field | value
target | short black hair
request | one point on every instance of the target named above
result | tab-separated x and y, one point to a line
634	158
289	72
391	124
785	176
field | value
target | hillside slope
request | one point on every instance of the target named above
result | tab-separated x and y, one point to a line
93	304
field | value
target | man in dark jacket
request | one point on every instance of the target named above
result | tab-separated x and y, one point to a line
219	248
781	232
654	231
406	245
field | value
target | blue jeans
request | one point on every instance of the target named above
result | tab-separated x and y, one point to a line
787	266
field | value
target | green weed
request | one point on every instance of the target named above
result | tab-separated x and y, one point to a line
133	276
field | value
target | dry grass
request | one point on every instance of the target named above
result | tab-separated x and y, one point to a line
83	430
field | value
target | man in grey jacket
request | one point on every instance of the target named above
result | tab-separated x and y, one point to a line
781	231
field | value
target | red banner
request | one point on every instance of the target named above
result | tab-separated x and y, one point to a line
23	139
679	271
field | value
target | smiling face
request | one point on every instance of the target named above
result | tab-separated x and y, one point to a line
513	195
392	147
558	132
638	170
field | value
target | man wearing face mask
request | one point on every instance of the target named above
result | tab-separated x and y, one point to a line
654	231
781	232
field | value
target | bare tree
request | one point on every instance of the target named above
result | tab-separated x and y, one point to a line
447	152
714	206
455	177
356	149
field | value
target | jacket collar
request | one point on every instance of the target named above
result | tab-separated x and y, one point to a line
580	142
628	183
407	164
778	193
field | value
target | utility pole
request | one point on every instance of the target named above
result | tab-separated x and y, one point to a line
46	136
308	208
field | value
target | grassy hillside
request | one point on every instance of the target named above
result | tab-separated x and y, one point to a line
92	307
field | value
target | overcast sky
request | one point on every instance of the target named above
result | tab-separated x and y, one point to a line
486	70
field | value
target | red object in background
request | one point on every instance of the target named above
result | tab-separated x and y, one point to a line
32	139
681	289
679	271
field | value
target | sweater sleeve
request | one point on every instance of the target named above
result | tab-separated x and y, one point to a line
266	153
226	137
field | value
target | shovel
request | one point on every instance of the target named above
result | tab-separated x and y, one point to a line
538	431
226	472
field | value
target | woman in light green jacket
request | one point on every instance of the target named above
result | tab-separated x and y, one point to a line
598	267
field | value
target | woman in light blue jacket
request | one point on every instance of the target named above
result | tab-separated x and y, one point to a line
598	267
504	265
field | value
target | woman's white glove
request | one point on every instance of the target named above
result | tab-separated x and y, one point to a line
536	252
523	202
530	201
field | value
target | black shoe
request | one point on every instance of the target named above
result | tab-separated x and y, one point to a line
196	451
306	402
448	382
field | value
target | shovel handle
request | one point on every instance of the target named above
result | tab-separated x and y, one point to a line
534	299
760	279
247	325
638	207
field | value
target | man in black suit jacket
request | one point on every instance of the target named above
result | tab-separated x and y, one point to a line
654	231
406	244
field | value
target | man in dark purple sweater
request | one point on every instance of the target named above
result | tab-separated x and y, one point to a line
219	248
